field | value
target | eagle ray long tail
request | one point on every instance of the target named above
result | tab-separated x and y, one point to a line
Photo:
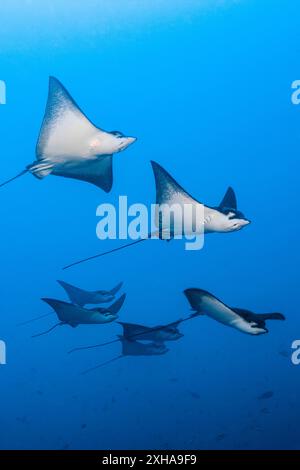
102	364
47	331
34	319
93	346
14	178
105	253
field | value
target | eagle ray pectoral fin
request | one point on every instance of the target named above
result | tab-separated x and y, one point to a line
97	171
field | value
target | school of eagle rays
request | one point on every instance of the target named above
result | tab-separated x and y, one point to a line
71	146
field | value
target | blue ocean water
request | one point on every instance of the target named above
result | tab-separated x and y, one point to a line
206	88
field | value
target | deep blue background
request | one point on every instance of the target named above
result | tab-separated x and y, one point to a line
205	86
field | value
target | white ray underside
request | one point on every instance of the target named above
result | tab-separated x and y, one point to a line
68	142
215	309
169	194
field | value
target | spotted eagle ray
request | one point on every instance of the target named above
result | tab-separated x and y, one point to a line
134	348
224	218
69	145
205	303
83	297
133	331
74	315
